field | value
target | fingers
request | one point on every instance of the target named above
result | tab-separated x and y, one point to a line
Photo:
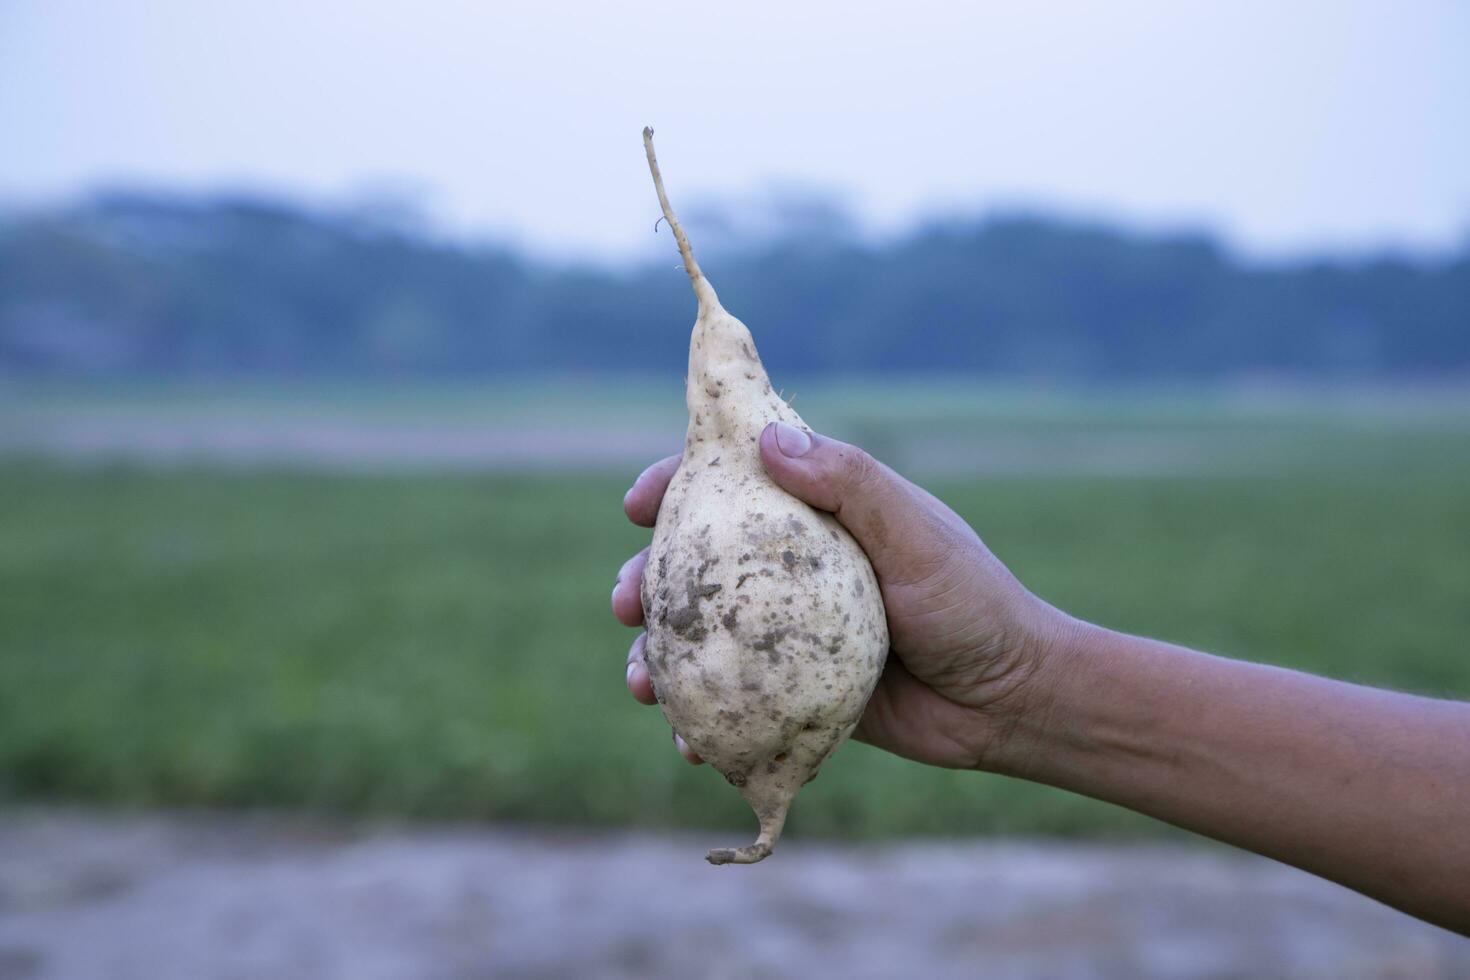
641	688
642	500
684	750
639	684
627	601
899	526
641	504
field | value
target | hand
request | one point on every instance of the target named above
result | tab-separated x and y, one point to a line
1368	788
966	638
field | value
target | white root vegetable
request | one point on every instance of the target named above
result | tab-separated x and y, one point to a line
766	629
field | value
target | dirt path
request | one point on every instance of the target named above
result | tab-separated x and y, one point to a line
237	898
345	445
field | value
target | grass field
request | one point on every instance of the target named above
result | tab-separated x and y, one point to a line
439	644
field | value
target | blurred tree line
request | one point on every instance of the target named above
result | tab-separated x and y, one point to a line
139	284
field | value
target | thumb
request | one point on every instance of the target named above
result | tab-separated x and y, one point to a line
889	516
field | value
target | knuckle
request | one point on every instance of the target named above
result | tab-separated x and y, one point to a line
860	471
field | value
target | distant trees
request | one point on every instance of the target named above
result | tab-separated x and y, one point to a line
131	284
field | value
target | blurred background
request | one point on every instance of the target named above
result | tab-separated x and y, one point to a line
332	334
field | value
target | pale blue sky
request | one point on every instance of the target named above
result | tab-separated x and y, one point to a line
1287	126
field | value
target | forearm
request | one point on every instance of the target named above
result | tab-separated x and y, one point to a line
1367	787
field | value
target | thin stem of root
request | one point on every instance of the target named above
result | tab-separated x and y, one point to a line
690	266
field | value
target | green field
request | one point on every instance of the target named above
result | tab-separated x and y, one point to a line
439	644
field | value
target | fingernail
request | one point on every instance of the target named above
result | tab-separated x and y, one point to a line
792	442
632	665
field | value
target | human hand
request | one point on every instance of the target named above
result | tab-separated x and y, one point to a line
966	638
982	674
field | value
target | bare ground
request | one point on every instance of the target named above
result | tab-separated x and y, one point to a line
236	897
336	445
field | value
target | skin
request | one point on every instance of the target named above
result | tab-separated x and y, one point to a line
1368	788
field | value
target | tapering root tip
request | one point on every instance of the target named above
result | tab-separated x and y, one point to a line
749	854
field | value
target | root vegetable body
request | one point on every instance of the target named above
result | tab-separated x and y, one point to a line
766	629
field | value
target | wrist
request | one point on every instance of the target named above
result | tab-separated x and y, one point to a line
1022	725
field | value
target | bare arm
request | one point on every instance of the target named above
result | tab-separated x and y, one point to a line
1366	787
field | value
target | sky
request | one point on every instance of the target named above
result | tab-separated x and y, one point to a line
1286	127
